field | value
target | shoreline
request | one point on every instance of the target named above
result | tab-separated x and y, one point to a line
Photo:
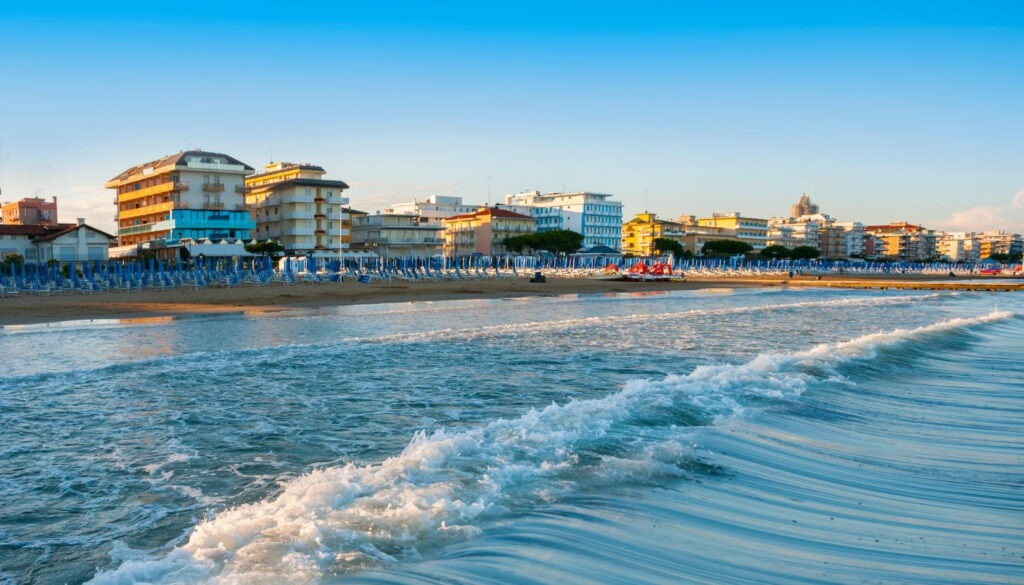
170	303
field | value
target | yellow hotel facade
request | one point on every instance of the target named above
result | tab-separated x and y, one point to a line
639	233
753	231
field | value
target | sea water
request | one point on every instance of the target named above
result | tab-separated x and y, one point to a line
737	436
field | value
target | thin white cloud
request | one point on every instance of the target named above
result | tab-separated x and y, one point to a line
1008	218
973	219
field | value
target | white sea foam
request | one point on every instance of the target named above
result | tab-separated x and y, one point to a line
445	486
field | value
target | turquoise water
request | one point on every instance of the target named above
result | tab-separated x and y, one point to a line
735	436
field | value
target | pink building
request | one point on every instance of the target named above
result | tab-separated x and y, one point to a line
30	211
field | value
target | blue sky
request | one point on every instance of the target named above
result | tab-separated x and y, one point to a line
880	113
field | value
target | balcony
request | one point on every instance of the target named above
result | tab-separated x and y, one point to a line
213	187
135	229
297	231
294	198
214	205
239	188
154	190
161	208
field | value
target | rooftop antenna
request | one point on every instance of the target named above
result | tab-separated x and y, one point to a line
645	199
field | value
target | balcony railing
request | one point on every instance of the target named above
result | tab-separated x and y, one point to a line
213	187
154	190
161	208
135	229
215	205
239	188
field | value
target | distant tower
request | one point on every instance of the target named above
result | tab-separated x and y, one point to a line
803	207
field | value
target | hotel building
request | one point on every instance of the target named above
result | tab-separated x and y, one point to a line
639	233
751	230
193	194
396	235
30	211
433	209
483	231
903	241
999	242
843	240
958	246
294	206
593	215
697	235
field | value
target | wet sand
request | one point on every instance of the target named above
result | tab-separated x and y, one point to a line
26	308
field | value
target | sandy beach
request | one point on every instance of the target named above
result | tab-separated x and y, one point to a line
28	309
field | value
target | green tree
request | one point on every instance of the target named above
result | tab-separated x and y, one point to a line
665	245
776	252
805	253
726	247
556	242
559	241
267	248
518	244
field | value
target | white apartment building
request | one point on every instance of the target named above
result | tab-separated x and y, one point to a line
780	233
294	206
593	215
851	241
802	232
958	246
433	209
999	242
396	235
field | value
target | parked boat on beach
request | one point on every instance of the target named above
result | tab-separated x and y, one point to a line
656	271
609	272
